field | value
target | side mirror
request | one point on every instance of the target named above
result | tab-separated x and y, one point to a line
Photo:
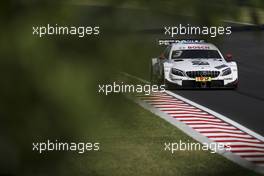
229	57
162	56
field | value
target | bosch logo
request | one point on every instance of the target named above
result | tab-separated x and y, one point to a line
198	47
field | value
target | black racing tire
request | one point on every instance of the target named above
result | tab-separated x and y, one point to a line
234	86
152	76
154	79
170	86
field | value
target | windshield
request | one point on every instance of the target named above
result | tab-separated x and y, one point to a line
194	54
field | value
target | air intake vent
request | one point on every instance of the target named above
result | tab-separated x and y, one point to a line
194	74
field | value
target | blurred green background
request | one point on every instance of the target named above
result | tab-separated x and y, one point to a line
49	85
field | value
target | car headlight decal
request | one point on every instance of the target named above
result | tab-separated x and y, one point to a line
226	71
177	72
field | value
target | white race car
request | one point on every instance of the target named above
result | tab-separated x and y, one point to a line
191	64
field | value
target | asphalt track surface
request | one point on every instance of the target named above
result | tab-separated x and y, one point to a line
245	105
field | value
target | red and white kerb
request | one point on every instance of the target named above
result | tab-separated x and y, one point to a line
217	130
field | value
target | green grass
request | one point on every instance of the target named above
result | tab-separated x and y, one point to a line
132	143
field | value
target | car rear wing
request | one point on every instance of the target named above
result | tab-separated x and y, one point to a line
165	42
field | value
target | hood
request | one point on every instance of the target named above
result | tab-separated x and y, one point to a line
199	64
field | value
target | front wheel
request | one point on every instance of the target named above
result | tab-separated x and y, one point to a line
169	86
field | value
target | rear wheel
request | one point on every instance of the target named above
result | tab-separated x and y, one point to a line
154	77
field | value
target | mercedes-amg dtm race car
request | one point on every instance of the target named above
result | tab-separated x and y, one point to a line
194	64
